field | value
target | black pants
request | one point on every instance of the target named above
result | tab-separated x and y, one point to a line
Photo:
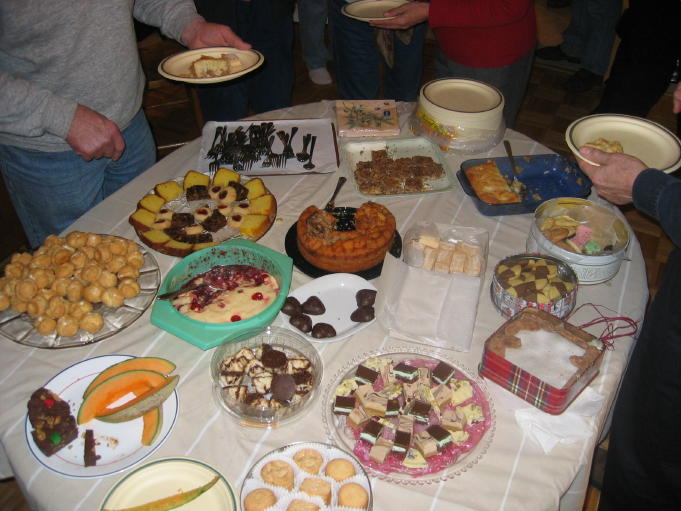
268	26
646	58
643	470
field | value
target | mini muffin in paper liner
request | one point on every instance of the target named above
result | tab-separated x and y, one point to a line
286	454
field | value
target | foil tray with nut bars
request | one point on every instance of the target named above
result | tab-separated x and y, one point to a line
542	359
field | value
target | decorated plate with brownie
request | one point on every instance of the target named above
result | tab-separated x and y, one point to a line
331	308
267	380
92	419
409	416
306	476
188	214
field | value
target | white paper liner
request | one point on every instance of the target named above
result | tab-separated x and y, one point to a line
545	355
254	481
437	309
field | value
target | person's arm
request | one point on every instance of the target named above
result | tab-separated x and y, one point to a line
621	178
407	15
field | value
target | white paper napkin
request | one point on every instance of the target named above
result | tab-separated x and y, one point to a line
571	426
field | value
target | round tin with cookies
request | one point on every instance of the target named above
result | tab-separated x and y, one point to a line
529	280
590	237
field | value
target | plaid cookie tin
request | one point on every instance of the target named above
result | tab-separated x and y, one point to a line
523	381
510	304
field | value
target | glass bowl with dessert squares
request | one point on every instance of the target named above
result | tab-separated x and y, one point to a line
266	380
409	415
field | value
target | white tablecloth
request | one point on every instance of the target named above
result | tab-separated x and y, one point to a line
514	473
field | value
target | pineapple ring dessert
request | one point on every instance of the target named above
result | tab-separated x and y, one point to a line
182	216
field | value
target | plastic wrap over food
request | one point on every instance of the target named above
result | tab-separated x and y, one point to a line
431	295
462	137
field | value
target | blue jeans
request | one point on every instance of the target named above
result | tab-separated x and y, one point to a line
511	80
358	60
591	33
51	190
312	15
268	26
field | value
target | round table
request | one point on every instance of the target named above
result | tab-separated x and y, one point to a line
515	473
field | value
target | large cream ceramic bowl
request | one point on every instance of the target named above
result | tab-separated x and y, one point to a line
651	143
462	102
178	67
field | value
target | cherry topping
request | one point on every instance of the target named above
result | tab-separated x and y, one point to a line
48	402
257	296
236	218
234	318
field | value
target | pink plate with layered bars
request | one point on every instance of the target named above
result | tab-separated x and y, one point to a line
450	460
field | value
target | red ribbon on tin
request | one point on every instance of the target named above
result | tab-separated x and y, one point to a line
614	325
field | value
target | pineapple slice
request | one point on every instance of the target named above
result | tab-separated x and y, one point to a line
168	190
254	225
152	202
256	188
263	205
223	176
142	219
193	178
155	238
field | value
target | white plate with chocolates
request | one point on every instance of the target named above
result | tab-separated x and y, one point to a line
330	308
409	416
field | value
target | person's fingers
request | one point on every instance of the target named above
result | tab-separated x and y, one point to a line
118	146
593	154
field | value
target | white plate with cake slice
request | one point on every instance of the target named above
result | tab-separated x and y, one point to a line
210	65
118	445
338	293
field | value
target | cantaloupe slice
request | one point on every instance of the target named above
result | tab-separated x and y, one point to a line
140	405
137	382
152	422
224	176
193	178
255	188
160	365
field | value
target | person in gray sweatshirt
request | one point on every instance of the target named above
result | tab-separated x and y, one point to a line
71	82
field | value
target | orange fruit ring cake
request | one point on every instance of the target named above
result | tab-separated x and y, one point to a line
322	245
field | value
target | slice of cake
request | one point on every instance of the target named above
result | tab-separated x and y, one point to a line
210	67
54	427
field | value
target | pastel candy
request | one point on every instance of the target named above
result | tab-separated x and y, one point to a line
582	235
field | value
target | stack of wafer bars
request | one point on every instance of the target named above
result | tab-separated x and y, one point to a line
434	254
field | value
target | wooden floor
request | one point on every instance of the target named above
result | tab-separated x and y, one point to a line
546	112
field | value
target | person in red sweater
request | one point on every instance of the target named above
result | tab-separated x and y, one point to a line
487	40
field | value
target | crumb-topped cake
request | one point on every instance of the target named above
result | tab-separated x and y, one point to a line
384	175
414	416
322	244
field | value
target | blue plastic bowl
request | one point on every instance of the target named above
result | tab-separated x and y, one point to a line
237	251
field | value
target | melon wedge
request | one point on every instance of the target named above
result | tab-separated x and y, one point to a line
152	424
137	382
160	365
140	405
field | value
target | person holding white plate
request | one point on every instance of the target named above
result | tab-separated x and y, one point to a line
71	126
643	468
